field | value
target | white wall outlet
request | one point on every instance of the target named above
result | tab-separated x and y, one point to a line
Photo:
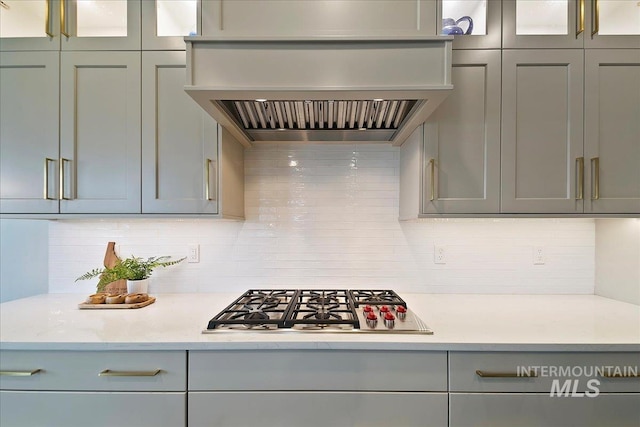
439	255
193	253
539	256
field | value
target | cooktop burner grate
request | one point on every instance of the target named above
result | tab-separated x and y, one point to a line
375	297
322	309
256	309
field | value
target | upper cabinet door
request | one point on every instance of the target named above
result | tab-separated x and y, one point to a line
462	139
165	23
100	24
318	17
612	131
179	141
613	24
476	24
542	107
29	25
543	24
29	132
100	132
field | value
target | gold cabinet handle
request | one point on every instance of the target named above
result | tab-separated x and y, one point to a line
62	161
63	18
207	185
580	178
490	374
48	25
46	179
579	17
595	167
111	373
432	176
21	373
595	18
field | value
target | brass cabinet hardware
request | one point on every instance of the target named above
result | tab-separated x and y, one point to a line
580	186
492	374
595	18
20	373
111	373
46	179
579	17
432	174
595	167
48	25
63	18
207	184
62	161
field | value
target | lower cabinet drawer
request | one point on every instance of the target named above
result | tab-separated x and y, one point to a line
317	370
535	410
316	409
514	372
93	370
108	409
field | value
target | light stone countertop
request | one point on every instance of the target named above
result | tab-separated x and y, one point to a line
459	322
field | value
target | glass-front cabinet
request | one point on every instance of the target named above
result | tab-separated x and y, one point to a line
571	24
476	24
613	24
70	25
165	23
29	25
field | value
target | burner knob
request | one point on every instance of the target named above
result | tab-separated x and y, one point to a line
384	309
367	309
372	320
389	320
401	312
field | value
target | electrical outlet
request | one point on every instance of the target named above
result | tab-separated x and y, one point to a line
539	256
193	253
439	255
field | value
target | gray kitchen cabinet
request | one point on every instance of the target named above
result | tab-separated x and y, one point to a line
462	140
542	125
101	25
100	132
612	24
537	24
486	18
30	25
490	388
318	17
98	388
179	141
29	150
612	131
317	388
165	23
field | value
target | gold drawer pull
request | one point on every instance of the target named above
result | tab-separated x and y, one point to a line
490	374
110	373
621	375
20	373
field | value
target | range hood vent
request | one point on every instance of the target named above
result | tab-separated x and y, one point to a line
319	89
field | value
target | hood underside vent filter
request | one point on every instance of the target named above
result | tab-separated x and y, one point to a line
321	89
334	119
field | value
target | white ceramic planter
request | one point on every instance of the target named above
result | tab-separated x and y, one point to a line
138	286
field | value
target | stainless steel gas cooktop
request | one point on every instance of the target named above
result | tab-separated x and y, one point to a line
318	310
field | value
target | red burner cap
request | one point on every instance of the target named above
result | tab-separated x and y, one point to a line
371	315
389	316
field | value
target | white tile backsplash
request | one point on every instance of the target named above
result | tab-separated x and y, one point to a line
326	216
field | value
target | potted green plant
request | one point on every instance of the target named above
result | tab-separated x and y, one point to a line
135	270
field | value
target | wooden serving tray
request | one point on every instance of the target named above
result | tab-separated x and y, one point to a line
85	305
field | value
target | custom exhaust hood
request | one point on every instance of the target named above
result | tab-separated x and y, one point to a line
319	89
